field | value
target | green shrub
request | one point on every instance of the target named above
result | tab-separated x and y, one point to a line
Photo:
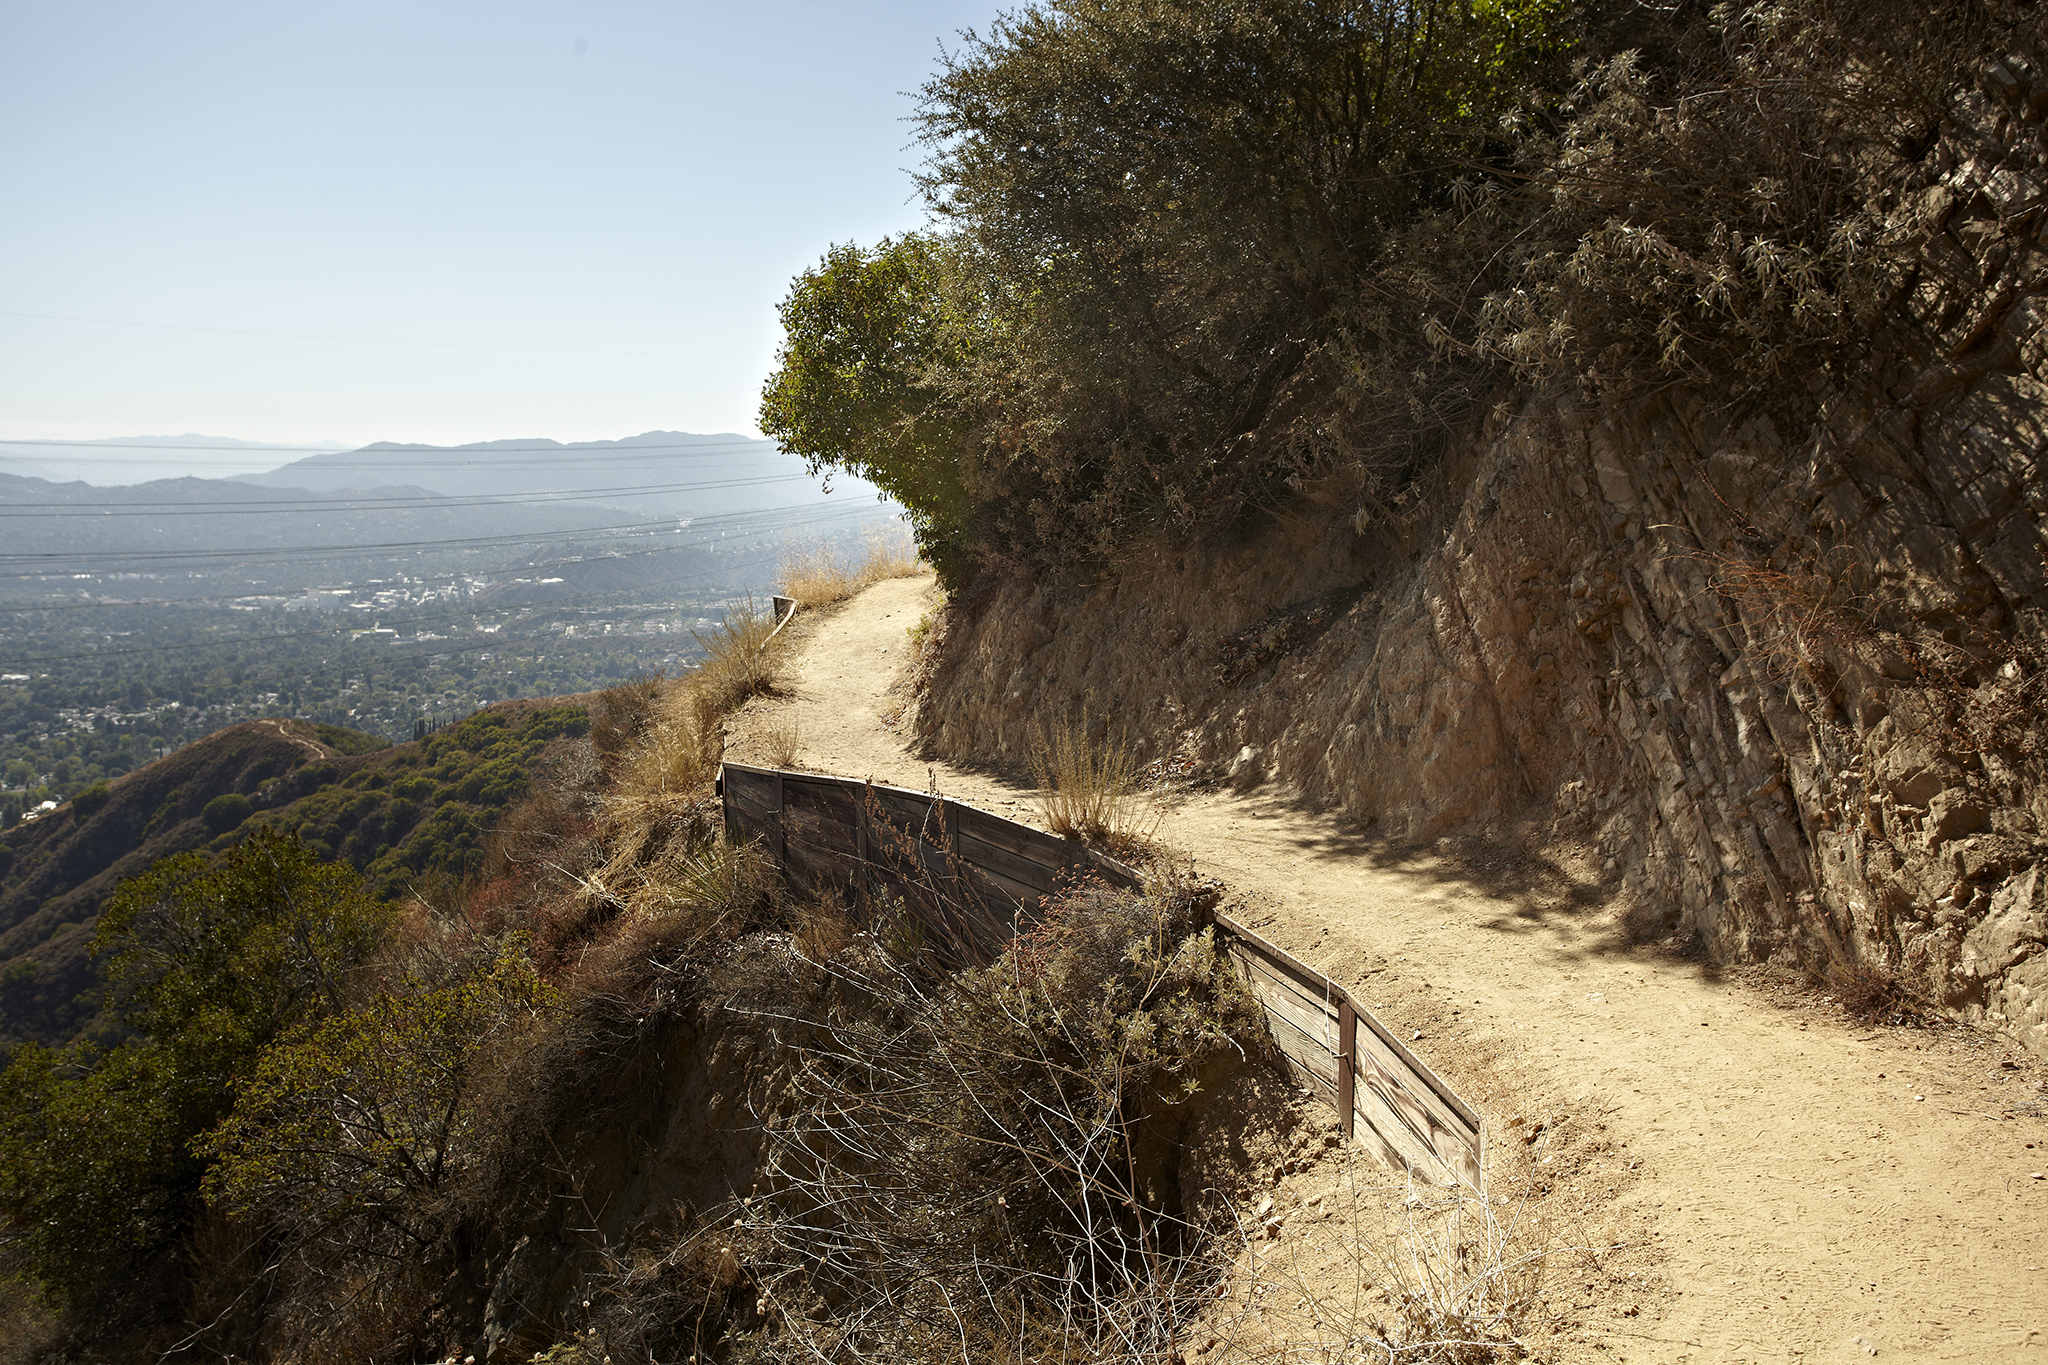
227	812
207	964
1189	258
92	800
347	741
1738	206
354	1131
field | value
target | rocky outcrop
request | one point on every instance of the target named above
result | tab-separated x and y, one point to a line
1789	669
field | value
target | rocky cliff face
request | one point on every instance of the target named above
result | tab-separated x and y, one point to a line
1788	671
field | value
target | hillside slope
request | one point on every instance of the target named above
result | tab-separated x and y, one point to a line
398	813
1788	684
1775	1181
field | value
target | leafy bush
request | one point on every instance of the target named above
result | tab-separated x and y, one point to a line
1189	261
865	338
1739	204
344	740
226	812
208	964
1185	262
356	1130
89	802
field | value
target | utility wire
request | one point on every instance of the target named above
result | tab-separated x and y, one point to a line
537	608
431	501
374	341
837	514
478	453
731	532
667	525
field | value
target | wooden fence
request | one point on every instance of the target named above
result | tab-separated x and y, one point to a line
970	878
1385	1097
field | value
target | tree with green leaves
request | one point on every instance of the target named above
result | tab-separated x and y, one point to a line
1188	258
210	962
866	342
368	1120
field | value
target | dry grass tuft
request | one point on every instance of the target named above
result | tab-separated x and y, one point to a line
781	740
819	573
741	653
1415	1273
1091	790
1870	992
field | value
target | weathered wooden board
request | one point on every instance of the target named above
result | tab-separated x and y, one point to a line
1399	1107
1015	895
967	879
753	788
1410	1109
820	819
1013	867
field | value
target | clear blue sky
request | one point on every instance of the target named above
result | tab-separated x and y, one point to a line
521	184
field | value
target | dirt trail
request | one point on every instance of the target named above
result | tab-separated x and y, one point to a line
1795	1188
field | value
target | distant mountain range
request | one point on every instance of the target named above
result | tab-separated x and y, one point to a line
408	501
666	472
122	460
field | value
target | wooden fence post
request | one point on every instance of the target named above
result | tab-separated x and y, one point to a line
1347	1066
781	828
864	881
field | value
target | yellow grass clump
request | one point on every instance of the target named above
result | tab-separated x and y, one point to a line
819	573
1089	790
662	773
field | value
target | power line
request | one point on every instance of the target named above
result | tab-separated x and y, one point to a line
336	631
241	507
625	446
500	541
55	564
836	514
377	341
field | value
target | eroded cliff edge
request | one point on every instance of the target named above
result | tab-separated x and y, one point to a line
1787	673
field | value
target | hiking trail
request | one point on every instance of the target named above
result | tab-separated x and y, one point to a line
1789	1186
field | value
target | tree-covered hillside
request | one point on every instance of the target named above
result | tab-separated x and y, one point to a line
403	816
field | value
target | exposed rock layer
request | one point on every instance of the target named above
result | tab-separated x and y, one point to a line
1789	673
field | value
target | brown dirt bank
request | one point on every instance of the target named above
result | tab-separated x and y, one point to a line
1783	1183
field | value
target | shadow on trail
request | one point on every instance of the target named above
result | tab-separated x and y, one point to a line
1524	889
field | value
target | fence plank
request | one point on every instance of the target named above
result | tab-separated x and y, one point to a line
1347	1065
1022	870
755	788
1021	895
1398	1106
968	877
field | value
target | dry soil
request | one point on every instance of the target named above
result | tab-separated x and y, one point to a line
1764	1179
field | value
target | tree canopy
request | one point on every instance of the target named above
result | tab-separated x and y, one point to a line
1171	268
1192	260
211	963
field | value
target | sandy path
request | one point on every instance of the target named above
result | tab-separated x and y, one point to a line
1796	1188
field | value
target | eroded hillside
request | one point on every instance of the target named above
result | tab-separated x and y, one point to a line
1786	674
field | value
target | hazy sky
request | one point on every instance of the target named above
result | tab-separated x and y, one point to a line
450	221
